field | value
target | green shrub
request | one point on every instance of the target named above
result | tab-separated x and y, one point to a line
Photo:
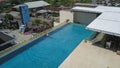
8	17
55	14
86	1
36	22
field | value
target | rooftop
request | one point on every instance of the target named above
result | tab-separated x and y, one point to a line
107	22
34	4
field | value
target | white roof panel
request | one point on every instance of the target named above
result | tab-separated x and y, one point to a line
98	9
106	23
86	9
36	4
42	11
108	9
17	6
110	16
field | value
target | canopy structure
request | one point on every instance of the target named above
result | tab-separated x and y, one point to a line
37	4
17	6
98	9
86	9
34	4
42	11
15	14
107	22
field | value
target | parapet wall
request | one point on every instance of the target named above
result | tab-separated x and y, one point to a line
66	15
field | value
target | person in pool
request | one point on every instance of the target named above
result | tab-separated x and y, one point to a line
47	34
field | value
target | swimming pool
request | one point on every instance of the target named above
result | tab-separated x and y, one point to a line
51	51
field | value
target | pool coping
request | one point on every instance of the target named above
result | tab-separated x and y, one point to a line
27	45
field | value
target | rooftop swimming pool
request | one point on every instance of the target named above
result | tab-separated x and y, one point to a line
52	50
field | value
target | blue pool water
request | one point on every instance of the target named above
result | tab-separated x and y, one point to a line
52	51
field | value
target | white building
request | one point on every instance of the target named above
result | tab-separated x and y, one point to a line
103	19
34	4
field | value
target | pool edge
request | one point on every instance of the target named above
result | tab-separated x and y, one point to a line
13	53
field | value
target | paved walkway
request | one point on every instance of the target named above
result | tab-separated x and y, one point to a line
88	56
20	37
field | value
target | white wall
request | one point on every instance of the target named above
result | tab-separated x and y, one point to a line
84	18
64	15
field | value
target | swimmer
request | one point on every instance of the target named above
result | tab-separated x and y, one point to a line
47	34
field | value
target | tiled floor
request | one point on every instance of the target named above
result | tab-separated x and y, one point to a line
88	56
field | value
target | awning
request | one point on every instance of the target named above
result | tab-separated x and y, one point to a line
107	22
37	4
17	6
86	9
98	9
15	14
34	4
42	11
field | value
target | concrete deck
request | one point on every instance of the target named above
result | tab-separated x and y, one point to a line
88	56
21	37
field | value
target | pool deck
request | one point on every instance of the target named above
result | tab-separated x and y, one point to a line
21	37
88	56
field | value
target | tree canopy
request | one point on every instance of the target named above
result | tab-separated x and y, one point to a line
54	3
66	2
